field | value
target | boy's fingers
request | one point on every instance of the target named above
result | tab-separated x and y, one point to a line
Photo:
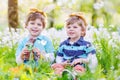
56	65
36	50
74	62
23	56
53	66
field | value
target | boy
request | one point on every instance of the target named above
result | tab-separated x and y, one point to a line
75	51
35	44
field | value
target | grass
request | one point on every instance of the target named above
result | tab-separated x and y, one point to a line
108	63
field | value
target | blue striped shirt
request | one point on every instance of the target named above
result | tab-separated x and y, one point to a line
79	49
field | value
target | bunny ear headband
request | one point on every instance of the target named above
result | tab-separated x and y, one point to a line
33	10
80	15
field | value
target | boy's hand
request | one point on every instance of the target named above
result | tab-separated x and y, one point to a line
37	51
65	63
56	65
25	54
80	60
77	61
59	65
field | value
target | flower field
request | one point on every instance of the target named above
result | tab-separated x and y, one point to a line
106	42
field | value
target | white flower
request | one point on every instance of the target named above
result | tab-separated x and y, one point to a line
118	65
101	25
112	67
118	78
98	5
118	56
102	79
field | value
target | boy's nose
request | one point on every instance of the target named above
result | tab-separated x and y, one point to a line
71	29
35	25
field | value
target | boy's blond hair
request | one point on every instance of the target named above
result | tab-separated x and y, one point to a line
36	14
78	18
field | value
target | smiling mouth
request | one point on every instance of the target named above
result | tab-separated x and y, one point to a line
34	30
71	33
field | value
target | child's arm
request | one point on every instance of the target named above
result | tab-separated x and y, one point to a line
59	59
49	50
80	60
90	60
37	51
23	55
19	60
43	54
90	50
93	62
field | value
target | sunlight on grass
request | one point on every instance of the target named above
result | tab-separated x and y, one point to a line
108	60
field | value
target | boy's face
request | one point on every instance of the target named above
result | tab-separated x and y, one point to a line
73	31
35	27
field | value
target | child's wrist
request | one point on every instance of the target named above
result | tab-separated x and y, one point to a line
81	60
22	56
85	60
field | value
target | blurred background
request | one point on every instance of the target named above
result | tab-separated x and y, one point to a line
103	18
97	12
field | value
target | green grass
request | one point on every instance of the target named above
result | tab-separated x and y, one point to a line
108	64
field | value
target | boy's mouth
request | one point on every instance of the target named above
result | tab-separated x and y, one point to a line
34	30
71	33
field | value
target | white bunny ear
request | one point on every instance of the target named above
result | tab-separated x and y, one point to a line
49	8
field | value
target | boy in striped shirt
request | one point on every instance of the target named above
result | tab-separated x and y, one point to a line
75	51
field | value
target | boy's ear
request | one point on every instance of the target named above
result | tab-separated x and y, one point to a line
25	26
83	33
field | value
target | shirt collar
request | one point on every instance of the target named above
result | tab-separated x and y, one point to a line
76	43
40	37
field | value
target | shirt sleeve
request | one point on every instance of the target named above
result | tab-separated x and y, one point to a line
49	47
93	62
90	48
19	49
60	51
18	52
59	59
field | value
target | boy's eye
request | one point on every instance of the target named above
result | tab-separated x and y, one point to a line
32	23
74	26
68	27
39	24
